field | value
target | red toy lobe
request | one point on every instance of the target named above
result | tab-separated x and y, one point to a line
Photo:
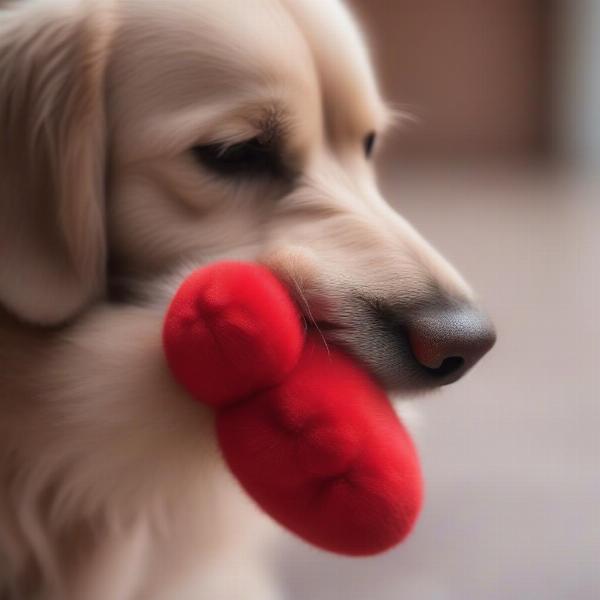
325	455
231	330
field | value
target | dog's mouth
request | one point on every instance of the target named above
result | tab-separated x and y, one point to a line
377	342
385	351
384	347
324	326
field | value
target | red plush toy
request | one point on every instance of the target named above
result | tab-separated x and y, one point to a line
307	432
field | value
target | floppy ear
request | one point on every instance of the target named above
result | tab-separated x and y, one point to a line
52	158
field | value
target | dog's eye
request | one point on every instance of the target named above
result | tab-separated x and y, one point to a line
369	143
252	157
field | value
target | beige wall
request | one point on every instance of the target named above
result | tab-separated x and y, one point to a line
472	71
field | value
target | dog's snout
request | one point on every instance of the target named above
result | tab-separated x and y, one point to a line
447	343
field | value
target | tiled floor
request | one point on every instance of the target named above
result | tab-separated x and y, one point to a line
512	452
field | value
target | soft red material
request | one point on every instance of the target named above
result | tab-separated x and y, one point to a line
307	432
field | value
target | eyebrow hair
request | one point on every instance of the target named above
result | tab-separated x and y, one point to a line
272	127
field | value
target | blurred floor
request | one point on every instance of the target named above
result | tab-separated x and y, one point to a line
511	453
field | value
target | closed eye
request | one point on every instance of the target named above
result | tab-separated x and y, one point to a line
369	143
249	158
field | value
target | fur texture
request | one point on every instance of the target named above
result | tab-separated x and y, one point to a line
110	192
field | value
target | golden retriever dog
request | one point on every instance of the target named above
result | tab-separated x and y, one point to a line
140	139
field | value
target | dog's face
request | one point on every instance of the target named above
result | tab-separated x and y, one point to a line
195	130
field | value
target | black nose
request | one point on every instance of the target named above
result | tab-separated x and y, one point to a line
447	343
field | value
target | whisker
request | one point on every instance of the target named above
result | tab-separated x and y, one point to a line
308	312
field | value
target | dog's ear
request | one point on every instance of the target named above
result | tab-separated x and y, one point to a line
52	158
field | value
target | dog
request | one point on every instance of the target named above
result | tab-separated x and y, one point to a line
139	140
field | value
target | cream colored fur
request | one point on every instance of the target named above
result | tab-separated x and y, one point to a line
110	483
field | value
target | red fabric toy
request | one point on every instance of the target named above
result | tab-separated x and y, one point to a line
307	432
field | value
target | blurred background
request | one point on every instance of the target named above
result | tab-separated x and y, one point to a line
500	170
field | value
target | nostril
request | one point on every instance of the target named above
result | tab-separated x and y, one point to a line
449	365
448	343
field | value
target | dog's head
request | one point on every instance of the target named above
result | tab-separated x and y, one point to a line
144	134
